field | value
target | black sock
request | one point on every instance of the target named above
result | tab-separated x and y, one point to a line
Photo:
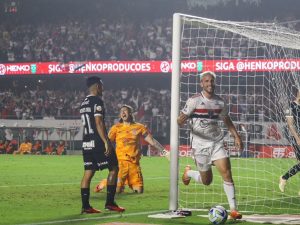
85	196
295	169
111	192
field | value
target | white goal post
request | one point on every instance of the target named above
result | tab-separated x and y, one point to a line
257	67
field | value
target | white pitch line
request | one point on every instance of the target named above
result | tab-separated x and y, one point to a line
73	183
95	218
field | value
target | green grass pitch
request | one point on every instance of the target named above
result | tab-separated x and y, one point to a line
46	190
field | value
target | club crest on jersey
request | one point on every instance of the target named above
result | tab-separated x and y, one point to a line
99	108
210	113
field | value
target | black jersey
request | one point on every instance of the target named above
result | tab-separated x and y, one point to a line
91	107
295	112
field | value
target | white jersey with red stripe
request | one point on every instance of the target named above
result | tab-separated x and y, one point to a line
204	114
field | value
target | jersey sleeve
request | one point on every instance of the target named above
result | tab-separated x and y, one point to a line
144	131
189	107
112	133
98	108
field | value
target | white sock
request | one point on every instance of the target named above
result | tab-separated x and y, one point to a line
195	175
230	192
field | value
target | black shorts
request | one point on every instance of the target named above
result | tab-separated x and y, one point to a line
95	159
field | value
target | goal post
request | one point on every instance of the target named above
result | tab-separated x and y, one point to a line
257	67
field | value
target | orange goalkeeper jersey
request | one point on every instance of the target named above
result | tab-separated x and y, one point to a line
127	139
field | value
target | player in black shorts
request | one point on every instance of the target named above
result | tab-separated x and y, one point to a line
98	152
293	122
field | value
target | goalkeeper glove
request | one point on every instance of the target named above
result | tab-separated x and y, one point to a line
166	154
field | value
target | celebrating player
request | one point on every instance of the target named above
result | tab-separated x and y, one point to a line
293	122
203	111
126	134
98	153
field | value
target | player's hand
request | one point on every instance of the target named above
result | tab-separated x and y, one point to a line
108	148
238	143
166	154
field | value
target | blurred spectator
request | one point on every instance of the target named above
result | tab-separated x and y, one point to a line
61	148
37	148
3	146
49	150
11	146
25	147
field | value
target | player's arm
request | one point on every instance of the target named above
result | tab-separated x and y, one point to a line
237	139
101	129
154	143
181	119
186	111
291	125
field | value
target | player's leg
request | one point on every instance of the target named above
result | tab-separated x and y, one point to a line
101	185
222	162
112	178
122	176
135	178
90	166
292	171
202	159
224	167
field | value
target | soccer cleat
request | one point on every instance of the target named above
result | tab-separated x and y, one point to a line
114	207
90	211
185	178
282	183
235	215
100	186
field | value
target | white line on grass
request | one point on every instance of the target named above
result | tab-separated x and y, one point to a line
95	218
55	184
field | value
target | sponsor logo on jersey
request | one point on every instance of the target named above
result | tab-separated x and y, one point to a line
87	145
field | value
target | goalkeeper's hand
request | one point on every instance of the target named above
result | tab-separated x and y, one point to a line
166	154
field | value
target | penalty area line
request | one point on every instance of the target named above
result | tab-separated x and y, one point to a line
95	218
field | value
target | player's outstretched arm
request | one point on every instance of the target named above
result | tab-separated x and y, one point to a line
154	143
100	125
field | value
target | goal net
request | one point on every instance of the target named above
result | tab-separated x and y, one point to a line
257	67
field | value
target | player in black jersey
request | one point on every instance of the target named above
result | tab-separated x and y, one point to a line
293	122
98	152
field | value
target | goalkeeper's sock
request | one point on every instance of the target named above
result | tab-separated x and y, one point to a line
230	193
110	195
85	196
292	171
195	175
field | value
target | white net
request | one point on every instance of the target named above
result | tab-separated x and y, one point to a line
257	75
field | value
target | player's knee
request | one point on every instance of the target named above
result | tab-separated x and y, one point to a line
138	190
206	181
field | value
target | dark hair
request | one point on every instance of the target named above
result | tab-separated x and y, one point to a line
93	80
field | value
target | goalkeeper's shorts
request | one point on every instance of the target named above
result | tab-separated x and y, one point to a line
131	172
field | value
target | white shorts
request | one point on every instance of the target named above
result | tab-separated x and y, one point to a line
206	152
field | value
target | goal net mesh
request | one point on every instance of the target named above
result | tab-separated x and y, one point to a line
257	75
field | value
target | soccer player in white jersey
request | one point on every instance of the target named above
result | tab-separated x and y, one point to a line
202	112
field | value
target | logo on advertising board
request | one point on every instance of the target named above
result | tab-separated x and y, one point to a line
278	152
33	68
2	69
199	66
165	67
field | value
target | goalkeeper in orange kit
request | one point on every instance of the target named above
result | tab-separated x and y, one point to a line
126	134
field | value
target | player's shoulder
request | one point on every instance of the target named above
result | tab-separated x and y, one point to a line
218	97
139	124
199	95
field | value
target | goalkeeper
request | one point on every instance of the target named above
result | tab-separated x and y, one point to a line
293	122
203	111
126	134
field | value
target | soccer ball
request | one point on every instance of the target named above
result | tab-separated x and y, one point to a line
217	215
